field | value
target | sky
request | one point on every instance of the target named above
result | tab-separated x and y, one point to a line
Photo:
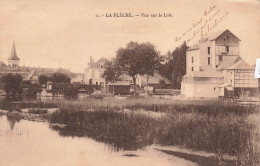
65	33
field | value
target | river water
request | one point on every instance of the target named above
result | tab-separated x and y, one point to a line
28	143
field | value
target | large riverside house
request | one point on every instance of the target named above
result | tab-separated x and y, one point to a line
214	68
94	71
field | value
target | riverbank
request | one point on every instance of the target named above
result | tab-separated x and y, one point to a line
210	126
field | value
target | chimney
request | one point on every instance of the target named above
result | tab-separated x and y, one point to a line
91	61
203	38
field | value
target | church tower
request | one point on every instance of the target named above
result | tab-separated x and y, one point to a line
13	60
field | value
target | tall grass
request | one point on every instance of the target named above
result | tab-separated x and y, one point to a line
209	126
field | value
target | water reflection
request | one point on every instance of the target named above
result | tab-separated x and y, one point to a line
12	119
34	143
111	144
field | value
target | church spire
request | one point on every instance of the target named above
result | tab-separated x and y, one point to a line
13	54
13	60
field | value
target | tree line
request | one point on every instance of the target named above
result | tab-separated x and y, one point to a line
54	78
14	85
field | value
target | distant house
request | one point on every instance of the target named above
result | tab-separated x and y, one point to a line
94	71
214	68
153	81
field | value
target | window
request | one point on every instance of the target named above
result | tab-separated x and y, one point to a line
192	59
208	50
220	58
227	48
208	60
191	68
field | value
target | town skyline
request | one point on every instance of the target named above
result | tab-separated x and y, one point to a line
48	36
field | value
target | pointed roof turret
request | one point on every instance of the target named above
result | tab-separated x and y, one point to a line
13	54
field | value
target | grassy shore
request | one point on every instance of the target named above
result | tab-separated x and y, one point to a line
211	126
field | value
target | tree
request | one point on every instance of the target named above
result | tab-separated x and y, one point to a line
59	78
43	79
111	73
150	60
31	89
129	61
12	84
138	59
175	67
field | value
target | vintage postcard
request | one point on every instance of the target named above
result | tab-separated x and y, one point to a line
129	83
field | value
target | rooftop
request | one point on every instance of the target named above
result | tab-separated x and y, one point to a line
96	65
229	61
215	35
240	65
155	79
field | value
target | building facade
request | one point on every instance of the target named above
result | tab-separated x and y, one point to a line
94	71
214	66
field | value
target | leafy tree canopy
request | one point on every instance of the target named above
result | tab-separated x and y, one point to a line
175	67
12	84
43	79
112	72
59	78
138	59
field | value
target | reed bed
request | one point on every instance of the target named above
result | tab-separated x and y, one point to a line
211	126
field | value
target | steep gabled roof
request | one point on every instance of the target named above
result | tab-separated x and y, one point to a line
155	79
229	61
215	35
240	65
13	54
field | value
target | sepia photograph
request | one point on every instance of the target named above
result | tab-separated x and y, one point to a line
130	83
